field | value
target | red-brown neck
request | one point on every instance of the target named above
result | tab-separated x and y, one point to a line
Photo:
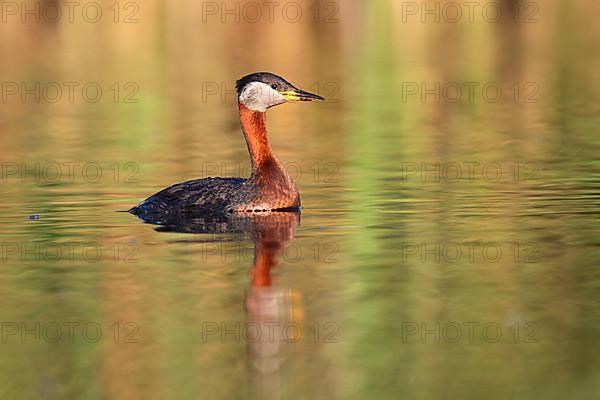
254	126
277	189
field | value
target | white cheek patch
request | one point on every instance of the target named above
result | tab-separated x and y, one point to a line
259	96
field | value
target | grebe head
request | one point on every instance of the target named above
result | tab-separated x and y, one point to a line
263	90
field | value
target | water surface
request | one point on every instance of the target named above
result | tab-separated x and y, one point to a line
446	248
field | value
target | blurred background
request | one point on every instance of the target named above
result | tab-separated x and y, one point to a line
446	124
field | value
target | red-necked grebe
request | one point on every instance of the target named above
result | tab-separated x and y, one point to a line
269	187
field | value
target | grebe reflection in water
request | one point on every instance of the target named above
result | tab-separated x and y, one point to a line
268	308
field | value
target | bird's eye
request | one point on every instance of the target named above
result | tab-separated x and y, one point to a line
274	86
